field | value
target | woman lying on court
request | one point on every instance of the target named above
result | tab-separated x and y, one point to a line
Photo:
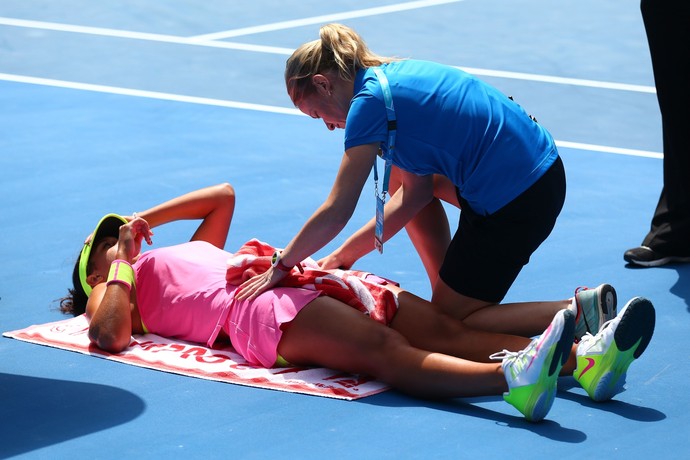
183	292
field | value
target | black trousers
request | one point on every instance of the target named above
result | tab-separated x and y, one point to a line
667	23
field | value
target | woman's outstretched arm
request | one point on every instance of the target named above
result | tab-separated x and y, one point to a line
215	205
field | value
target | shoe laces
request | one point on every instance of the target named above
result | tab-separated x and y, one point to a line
514	355
588	337
501	355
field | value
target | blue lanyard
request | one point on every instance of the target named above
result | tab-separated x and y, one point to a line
387	155
392	128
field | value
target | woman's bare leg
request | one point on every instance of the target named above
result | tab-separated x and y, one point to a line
331	334
429	230
524	318
430	234
425	326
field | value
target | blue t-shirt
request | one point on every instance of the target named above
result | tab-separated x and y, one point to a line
451	123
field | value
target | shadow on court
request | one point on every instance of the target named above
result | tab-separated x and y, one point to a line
40	412
681	288
548	428
468	407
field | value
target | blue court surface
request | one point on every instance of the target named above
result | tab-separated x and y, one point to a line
116	105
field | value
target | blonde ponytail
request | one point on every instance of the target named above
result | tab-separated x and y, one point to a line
339	50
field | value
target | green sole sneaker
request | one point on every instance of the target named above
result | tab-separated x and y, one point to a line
532	374
603	359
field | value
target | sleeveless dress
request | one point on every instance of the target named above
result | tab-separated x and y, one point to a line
182	293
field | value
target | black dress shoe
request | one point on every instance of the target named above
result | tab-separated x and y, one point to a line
648	257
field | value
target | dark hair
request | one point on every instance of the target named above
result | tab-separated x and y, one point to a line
74	303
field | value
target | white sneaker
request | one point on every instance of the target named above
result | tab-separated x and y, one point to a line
603	359
594	308
532	373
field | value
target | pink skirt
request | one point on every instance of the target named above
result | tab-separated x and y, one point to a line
254	327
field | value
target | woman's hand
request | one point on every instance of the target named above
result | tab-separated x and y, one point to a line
131	235
334	260
251	288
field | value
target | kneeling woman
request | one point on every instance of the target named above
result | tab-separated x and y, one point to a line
183	292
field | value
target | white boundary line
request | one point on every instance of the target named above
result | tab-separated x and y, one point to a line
126	34
258	107
146	94
197	41
323	19
605	149
560	80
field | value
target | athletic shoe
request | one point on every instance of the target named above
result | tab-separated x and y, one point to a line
603	359
594	308
647	257
532	373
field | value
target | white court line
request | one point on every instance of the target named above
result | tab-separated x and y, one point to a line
140	36
560	80
326	18
287	51
605	149
259	107
147	94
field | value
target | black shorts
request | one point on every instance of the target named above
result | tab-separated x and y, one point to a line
487	252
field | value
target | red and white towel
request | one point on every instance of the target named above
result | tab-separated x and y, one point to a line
364	291
219	364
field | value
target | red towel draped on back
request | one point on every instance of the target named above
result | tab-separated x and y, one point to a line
361	290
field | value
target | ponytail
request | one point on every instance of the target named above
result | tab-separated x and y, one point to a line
340	50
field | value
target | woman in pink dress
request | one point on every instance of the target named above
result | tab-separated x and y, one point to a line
184	292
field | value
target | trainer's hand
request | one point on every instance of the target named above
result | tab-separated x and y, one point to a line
251	288
334	261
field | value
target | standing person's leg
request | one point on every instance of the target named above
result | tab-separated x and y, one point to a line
487	254
522	318
427	327
430	234
429	230
666	25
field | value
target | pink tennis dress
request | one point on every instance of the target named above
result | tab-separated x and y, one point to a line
182	293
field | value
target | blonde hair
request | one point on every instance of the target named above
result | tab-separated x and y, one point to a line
339	50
